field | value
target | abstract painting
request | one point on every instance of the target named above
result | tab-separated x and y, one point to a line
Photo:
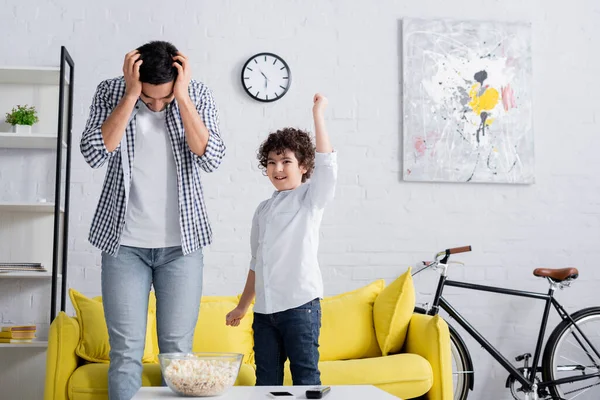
467	101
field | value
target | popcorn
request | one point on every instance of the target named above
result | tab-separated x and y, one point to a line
200	377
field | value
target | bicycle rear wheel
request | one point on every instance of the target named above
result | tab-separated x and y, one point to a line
575	353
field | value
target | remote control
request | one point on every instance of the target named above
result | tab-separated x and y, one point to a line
317	393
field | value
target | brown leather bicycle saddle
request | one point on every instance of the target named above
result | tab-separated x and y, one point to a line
557	275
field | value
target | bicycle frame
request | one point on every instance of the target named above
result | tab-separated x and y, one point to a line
529	380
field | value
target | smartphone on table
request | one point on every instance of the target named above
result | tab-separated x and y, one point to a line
281	395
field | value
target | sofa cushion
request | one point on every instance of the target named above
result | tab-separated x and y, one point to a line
211	333
392	312
61	359
404	375
347	330
430	338
93	344
90	381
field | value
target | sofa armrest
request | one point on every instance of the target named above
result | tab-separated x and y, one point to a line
429	337
61	360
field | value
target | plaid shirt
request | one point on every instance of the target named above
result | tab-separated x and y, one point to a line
109	218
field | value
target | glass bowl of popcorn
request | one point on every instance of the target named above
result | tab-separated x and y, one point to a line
200	374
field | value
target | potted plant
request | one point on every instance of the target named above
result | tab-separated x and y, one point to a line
22	118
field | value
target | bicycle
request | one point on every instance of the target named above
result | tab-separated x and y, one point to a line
570	365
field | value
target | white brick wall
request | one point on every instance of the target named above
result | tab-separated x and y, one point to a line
378	224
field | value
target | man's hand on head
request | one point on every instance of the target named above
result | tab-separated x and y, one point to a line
184	75
131	72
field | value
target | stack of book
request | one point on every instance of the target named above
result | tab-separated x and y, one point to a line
21	267
17	334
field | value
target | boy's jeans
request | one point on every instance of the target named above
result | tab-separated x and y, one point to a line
126	281
292	334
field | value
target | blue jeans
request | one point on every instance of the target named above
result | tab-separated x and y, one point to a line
292	334
126	281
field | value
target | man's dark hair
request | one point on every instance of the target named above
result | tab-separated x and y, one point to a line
289	139
157	67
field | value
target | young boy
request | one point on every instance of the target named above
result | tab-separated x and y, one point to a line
284	271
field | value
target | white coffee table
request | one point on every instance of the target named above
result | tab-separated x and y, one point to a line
350	392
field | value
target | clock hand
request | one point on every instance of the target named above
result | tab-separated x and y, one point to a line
266	79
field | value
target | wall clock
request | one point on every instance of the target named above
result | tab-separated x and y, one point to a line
266	77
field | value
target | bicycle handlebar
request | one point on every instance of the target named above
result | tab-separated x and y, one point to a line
457	250
442	258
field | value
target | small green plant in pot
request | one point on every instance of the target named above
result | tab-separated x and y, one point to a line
22	118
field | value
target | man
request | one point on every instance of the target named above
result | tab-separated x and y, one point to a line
157	129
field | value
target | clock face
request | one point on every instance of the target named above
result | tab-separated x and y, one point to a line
266	77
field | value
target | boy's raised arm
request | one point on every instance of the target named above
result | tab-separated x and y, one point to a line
322	138
324	177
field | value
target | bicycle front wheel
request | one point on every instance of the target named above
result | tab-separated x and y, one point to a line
572	355
462	367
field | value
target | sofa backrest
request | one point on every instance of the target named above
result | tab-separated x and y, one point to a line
347	329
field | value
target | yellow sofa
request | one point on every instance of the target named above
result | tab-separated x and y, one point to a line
350	345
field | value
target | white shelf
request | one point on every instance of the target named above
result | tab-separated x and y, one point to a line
32	344
27	275
28	207
31	75
28	141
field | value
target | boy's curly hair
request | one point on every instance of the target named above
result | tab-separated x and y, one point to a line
291	139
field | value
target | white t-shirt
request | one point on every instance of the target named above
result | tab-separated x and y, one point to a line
152	217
